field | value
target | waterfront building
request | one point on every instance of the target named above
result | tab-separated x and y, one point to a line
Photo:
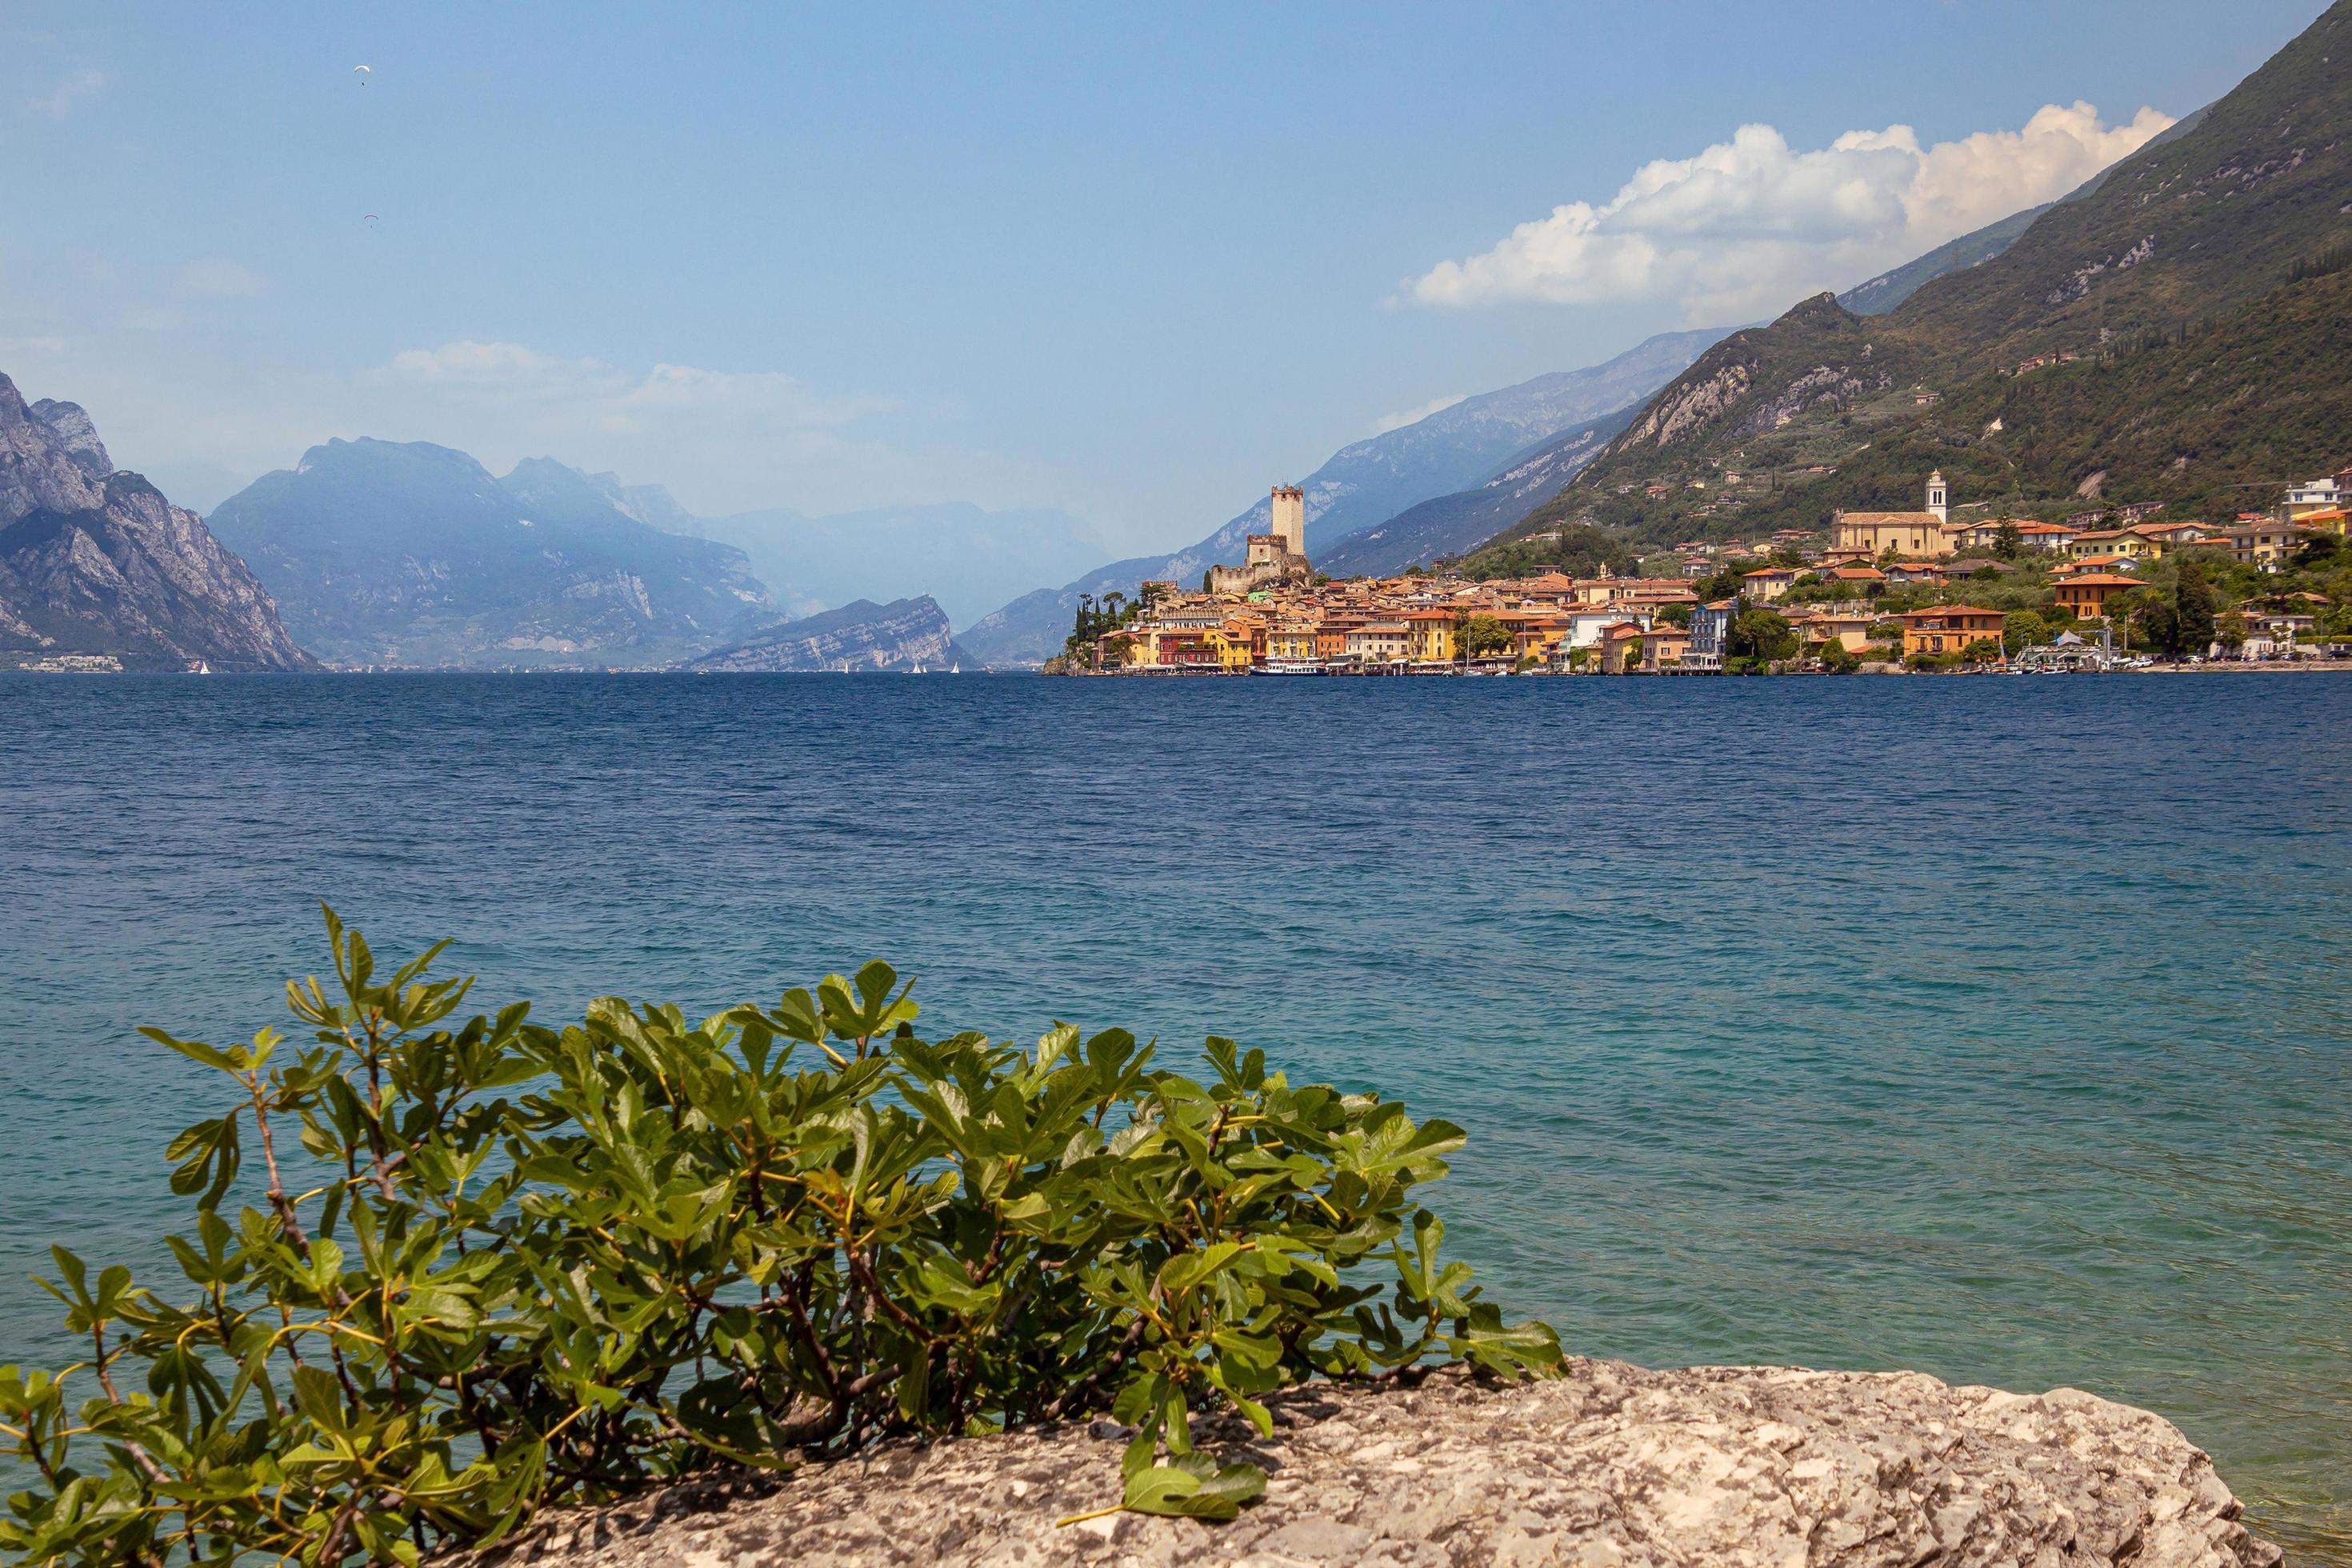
1664	647
1430	636
1948	628
1379	642
1296	641
1619	641
1583	627
1710	631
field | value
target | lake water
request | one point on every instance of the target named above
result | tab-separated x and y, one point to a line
1997	1028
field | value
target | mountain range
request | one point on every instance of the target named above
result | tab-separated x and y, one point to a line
2175	333
1449	524
412	555
1367	483
96	563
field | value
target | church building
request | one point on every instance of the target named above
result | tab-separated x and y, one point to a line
1914	536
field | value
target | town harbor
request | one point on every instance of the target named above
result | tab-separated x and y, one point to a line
1935	591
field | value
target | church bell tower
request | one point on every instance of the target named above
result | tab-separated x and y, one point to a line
1939	500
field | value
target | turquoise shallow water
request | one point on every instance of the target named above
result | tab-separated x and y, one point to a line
1994	1028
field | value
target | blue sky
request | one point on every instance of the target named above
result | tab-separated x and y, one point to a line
1135	262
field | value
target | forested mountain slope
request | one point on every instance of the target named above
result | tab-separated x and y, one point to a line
2176	334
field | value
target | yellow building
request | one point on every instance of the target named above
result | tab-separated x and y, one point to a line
2259	542
1291	639
1232	645
1430	636
1913	534
2126	542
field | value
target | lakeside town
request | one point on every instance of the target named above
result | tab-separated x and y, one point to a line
1924	592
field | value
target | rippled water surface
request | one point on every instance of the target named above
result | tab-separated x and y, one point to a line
1994	1028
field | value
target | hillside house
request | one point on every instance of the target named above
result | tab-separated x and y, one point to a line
1768	584
2086	593
2053	537
2320	495
2260	541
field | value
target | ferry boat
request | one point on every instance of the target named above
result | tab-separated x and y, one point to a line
1294	667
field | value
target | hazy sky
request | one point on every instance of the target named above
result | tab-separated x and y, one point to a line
1134	261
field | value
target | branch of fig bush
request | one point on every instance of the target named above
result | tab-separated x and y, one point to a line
534	1267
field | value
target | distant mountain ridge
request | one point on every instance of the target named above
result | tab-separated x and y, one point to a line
1365	483
1449	524
412	555
902	637
97	562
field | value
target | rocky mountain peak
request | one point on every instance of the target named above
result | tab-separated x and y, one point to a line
70	426
95	562
39	472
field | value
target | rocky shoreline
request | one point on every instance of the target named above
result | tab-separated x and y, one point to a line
1611	1464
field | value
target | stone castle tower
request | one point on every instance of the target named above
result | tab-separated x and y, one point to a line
1939	500
1277	556
1290	518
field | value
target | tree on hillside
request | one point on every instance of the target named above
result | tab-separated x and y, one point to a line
2008	542
1674	615
1839	659
1094	618
1983	650
2023	629
1762	635
2194	607
1724	585
2321	549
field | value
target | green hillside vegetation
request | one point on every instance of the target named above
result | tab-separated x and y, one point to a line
2193	307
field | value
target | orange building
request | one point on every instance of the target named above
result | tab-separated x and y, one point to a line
1948	628
2087	592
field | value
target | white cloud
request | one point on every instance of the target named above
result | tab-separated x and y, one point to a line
1399	420
59	100
1750	225
217	278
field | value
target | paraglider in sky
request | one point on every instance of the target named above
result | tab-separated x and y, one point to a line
367	217
362	73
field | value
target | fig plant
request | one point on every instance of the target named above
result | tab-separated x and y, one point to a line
443	1275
